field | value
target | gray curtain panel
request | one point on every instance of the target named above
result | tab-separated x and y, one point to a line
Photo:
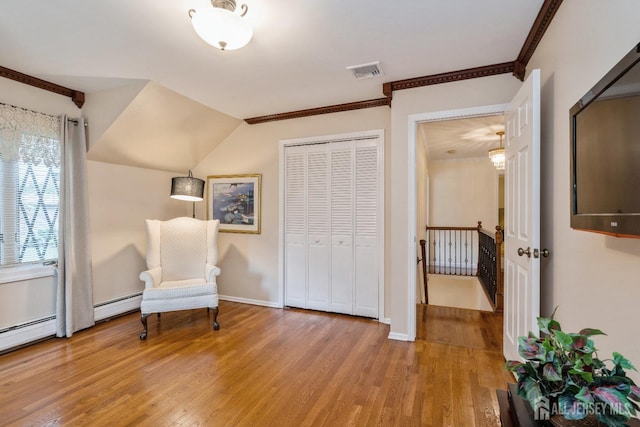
74	302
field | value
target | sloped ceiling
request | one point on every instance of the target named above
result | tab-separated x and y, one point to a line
161	129
296	60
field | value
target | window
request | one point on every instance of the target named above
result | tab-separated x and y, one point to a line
30	179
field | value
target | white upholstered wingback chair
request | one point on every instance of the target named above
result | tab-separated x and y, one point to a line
182	254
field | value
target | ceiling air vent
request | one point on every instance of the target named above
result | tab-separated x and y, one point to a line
365	71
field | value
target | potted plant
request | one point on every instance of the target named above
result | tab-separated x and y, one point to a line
562	371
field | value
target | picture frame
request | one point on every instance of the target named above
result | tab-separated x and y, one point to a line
236	201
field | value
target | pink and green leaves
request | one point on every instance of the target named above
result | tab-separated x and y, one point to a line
564	368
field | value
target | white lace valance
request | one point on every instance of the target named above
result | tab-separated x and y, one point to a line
29	136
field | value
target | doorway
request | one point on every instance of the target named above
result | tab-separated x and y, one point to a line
413	132
458	187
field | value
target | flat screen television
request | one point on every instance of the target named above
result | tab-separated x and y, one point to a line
605	153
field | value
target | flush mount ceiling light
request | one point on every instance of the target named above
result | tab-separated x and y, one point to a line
497	155
221	26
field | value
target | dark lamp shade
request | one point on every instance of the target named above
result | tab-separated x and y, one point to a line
187	188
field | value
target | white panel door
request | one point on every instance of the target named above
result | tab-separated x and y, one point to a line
366	227
318	261
522	215
295	229
342	271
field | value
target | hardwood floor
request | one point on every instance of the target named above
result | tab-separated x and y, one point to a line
264	367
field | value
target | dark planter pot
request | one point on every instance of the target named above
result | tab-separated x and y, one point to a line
589	421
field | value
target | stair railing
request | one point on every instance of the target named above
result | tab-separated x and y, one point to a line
466	251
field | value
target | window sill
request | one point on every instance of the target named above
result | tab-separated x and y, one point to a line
25	272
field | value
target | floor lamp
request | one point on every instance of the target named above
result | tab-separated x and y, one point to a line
187	188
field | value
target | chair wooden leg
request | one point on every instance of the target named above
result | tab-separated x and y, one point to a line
216	325
143	319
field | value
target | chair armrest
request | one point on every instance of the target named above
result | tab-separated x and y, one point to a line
151	277
211	272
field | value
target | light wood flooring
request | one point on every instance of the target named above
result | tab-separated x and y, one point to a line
264	367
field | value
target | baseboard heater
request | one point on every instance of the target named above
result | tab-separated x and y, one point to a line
26	325
108	309
33	331
17	336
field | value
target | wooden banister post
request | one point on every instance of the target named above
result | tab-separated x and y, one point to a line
423	244
479	256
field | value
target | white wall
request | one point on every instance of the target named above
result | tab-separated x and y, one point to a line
249	262
463	192
593	279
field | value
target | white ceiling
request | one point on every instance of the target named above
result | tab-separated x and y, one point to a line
467	138
296	60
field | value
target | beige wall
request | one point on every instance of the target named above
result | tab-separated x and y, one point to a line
103	107
593	279
249	262
27	300
120	199
422	207
463	192
25	96
450	96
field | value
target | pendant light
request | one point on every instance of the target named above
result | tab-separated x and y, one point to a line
497	155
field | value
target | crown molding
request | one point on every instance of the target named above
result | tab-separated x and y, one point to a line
451	76
518	68
339	108
539	27
76	96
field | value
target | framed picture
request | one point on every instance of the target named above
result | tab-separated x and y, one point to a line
235	201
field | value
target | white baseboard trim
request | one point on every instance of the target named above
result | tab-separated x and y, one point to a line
117	307
398	337
262	303
26	334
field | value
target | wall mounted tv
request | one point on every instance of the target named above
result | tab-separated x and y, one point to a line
605	153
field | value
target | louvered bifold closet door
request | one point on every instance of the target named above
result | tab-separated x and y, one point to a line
366	227
332	225
342	257
318	227
295	227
